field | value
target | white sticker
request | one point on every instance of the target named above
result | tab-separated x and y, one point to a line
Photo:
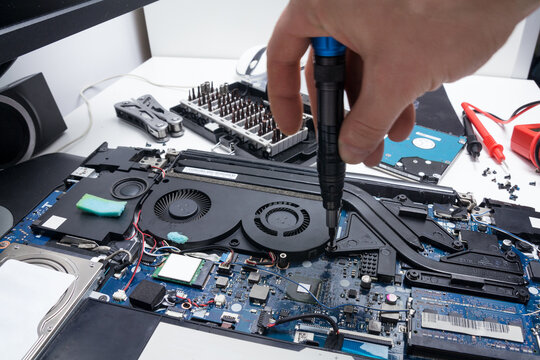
472	327
423	143
305	289
213	173
428	136
535	222
54	222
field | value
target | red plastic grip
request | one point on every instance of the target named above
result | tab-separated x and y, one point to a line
495	150
524	141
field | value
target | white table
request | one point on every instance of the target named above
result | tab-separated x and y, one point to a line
497	95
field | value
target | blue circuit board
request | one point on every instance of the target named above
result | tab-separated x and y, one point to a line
337	276
333	293
21	233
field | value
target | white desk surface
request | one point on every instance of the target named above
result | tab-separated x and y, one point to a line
500	96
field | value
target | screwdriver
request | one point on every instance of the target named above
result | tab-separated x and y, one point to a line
495	150
329	73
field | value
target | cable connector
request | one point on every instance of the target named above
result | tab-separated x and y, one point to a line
334	341
119	295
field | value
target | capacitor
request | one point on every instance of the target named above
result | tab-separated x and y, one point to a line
283	261
391	299
365	282
506	244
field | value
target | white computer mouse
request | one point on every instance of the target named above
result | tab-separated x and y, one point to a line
252	62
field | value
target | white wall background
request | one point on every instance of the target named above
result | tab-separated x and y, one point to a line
210	28
224	29
514	58
114	47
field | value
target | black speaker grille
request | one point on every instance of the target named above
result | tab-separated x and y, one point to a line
129	188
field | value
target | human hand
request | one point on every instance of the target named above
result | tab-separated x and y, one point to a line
397	50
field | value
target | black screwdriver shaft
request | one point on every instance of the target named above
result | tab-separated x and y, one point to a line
329	80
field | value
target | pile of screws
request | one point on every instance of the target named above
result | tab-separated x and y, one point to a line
507	185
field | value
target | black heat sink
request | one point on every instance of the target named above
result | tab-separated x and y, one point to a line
252	221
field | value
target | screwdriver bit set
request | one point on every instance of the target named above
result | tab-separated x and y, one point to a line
240	116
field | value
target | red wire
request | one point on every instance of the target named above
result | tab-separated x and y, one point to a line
194	303
499	121
136	267
162	171
132	236
139	230
272	257
142	249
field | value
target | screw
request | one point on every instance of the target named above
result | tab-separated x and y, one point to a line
510	255
413	275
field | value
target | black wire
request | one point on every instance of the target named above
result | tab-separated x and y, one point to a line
261	263
264	263
309	316
152	265
59	186
518	110
495	116
209	247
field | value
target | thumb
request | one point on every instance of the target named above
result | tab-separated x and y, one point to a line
380	103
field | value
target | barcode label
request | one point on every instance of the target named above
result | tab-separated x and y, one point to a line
472	327
213	173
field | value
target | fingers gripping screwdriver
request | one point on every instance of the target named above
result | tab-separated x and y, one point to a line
329	73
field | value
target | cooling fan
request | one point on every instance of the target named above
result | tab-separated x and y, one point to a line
286	226
182	206
248	220
281	219
198	210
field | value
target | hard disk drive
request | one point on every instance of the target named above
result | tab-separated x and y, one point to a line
17	263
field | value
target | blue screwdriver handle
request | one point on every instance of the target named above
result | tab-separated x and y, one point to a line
329	71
